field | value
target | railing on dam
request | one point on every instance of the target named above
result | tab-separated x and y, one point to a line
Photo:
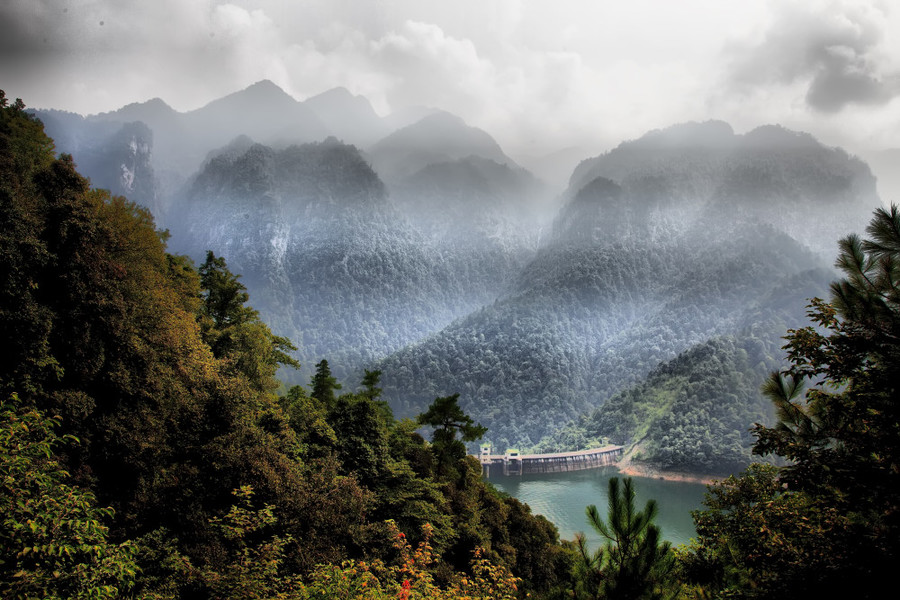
514	463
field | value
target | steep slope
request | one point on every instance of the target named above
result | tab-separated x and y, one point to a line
348	117
328	260
637	272
117	156
436	138
588	321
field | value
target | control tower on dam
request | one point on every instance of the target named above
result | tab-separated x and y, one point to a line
514	463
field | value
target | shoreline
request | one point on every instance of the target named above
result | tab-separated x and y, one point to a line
632	470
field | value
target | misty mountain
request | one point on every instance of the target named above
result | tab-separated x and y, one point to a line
437	138
262	111
328	260
116	155
771	175
179	142
638	271
348	117
884	164
474	197
437	259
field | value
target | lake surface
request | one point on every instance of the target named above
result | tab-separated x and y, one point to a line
563	497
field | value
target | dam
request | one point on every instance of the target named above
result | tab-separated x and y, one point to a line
514	463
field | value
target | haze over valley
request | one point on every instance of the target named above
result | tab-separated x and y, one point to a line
641	304
471	300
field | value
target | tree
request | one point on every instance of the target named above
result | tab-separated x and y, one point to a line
842	434
370	382
634	563
448	419
323	384
757	540
234	330
829	523
224	296
53	540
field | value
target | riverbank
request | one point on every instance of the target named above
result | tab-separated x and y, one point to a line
633	470
630	468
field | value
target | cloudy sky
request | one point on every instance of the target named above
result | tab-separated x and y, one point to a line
539	75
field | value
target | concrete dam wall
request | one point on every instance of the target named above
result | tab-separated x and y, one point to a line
513	463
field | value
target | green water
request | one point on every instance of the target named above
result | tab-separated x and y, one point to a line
562	498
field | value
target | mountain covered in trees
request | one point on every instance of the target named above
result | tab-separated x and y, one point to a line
147	449
429	254
145	453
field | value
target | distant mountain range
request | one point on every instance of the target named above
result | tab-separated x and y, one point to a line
640	305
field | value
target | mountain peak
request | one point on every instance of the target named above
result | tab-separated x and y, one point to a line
262	92
779	136
707	134
348	116
437	137
339	93
265	86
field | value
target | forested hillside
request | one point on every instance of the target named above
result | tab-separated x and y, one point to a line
600	307
432	256
664	243
134	380
333	264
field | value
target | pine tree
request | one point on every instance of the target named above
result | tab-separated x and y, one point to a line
828	523
634	563
323	384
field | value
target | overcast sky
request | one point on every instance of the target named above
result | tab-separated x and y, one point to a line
539	75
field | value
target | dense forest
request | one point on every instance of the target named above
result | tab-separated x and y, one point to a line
413	245
148	450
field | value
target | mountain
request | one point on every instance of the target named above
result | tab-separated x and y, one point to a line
176	144
348	117
884	164
589	320
676	247
438	137
329	261
434	257
772	175
116	155
262	111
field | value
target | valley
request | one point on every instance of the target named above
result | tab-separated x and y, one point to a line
642	305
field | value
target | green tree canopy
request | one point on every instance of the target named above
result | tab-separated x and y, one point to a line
829	524
54	540
449	420
324	384
634	563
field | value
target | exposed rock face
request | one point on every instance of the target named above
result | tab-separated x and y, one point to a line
327	258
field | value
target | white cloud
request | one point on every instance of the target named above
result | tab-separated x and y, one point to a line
534	74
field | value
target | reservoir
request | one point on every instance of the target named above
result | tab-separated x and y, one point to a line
563	497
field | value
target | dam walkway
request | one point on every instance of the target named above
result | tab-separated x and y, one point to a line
514	463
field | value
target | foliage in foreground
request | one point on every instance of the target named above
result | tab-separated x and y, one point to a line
827	524
54	540
634	563
167	380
